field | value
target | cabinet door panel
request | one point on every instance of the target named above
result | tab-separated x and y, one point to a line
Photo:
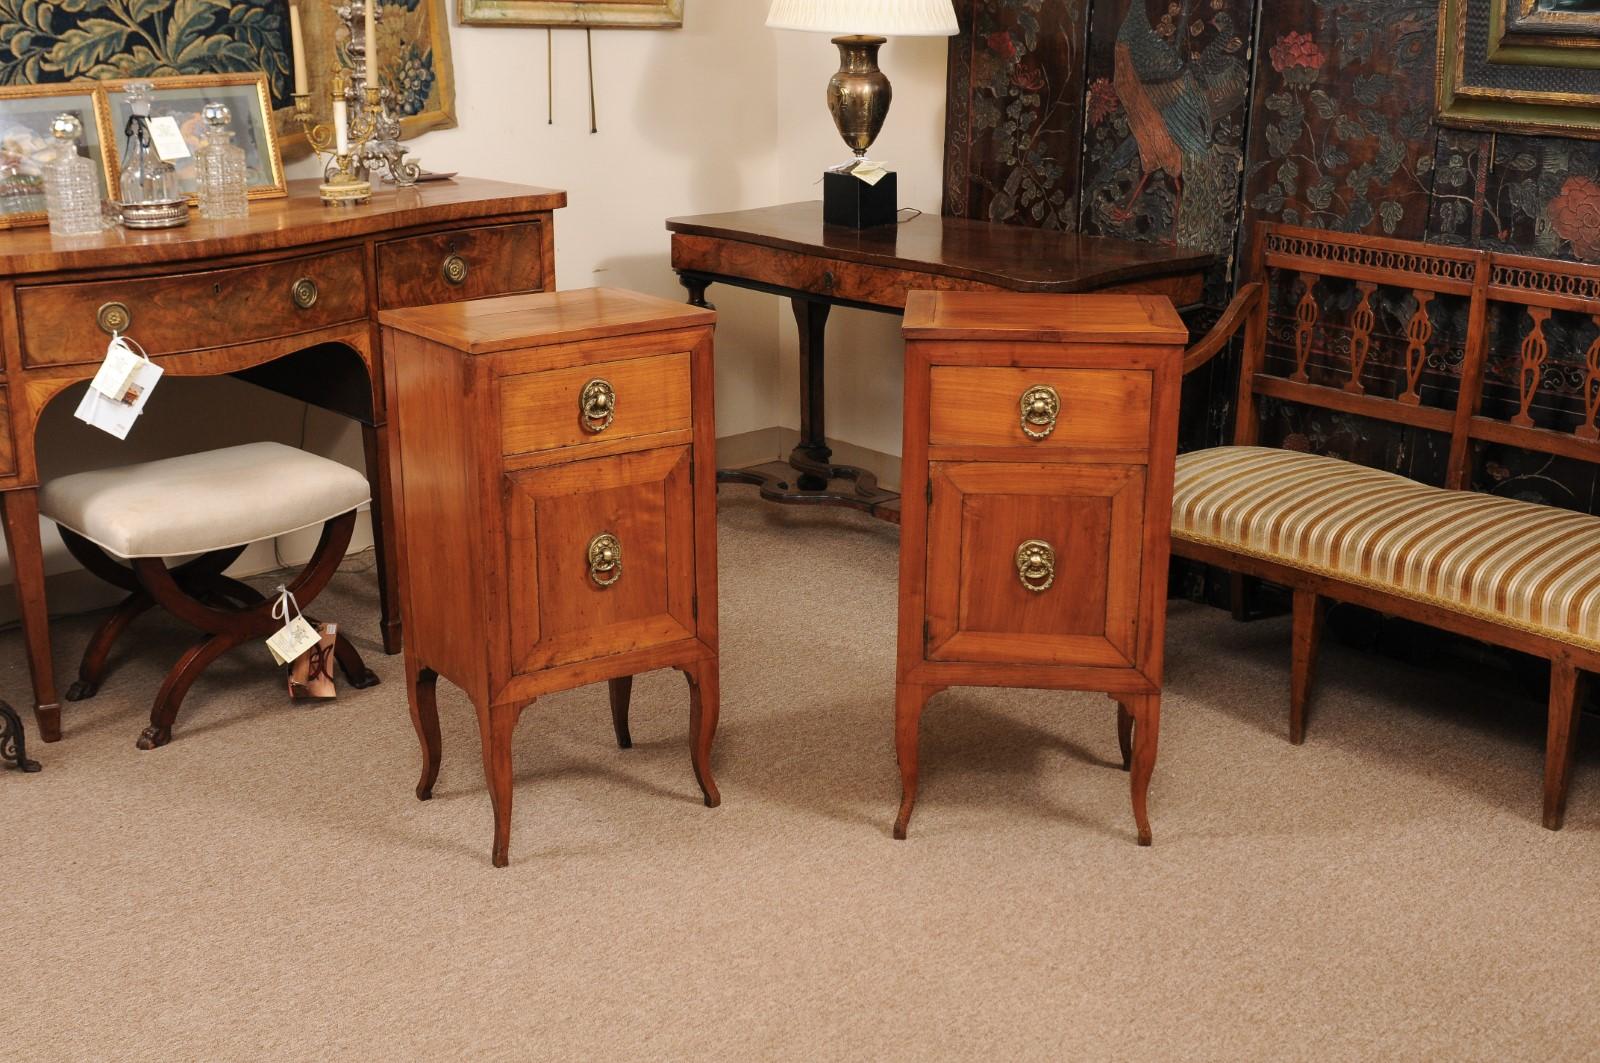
1088	519
559	613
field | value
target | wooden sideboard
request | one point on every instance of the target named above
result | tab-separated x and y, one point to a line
287	298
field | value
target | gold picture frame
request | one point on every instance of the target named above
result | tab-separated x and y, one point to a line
26	112
623	14
254	126
1525	93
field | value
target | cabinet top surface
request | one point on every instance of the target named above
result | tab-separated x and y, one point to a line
1007	256
299	219
538	319
1043	318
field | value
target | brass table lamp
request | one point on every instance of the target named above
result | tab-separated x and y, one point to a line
859	94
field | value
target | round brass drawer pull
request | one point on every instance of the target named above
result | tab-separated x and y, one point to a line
114	317
605	559
305	293
1036	565
1039	406
454	269
597	405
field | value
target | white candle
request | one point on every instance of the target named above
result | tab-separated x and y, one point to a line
341	127
297	48
372	43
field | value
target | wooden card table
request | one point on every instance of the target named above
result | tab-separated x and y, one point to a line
788	251
287	298
1040	438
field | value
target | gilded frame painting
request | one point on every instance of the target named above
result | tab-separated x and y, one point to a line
26	144
625	14
247	96
1490	79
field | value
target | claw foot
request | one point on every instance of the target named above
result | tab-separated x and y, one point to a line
369	678
81	690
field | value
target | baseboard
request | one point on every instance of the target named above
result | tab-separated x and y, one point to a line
769	444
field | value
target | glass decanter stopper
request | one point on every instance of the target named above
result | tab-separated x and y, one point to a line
220	163
146	176
71	189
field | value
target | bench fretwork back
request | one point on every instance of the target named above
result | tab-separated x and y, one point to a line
1535	286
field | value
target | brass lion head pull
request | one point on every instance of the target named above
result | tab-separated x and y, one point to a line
1039	405
597	405
605	559
1036	565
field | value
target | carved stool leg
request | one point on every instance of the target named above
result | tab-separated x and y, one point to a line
92	669
496	726
1146	709
1566	700
423	685
704	705
621	694
170	697
14	741
355	670
1125	733
1309	610
909	701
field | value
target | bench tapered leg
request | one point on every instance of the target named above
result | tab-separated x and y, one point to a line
621	691
1309	610
1566	695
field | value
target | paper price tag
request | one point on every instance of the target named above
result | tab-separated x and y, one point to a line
870	172
168	138
116	416
293	639
116	372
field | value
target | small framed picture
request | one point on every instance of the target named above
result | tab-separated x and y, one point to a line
26	112
182	98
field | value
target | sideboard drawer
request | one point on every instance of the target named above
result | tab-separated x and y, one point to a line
465	264
566	604
69	324
982	406
559	408
8	449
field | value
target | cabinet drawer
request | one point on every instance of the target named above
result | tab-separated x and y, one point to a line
981	406
645	396
61	323
566	608
1034	563
8	449
465	264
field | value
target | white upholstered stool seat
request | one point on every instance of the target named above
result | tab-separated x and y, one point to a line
197	503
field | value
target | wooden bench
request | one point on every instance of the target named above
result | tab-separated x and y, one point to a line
1452	342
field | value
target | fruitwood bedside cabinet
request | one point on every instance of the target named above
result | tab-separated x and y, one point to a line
553	531
1040	435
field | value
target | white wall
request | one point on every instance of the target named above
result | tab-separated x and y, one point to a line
723	114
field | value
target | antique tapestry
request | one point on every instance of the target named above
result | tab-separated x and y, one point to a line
43	41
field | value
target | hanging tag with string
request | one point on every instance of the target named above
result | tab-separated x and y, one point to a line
297	635
120	388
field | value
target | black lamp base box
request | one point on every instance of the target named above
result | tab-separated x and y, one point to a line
851	202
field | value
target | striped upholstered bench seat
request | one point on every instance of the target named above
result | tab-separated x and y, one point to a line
1517	564
1345	323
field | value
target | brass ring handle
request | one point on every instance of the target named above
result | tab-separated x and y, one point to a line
605	559
113	317
1036	565
454	269
1039	406
304	292
597	405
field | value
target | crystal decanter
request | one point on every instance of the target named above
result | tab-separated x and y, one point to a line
220	166
71	188
150	195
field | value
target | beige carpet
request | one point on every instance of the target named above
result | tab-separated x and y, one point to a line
267	887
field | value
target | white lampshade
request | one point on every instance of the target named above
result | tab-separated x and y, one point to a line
876	18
